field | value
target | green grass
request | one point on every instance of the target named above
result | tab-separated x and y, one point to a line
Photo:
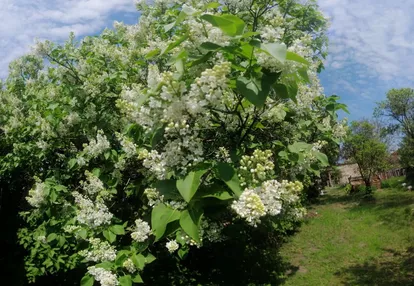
353	241
394	182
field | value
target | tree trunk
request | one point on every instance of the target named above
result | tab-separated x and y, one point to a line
368	186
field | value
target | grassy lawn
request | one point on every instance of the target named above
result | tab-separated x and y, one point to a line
350	241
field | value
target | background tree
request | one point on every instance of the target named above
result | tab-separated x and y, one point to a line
364	147
398	108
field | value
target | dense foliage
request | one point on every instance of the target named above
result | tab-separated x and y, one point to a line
398	108
200	124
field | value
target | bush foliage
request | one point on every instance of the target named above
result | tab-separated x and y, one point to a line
201	124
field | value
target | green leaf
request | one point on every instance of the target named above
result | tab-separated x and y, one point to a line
214	191
212	5
162	215
190	221
109	235
189	185
150	258
168	189
125	280
139	260
72	162
137	278
117	229
210	46
292	88
157	136
51	237
314	167
182	252
283	154
278	51
175	44
322	158
169	26
201	59
304	74
228	174
295	57
229	24
87	280
121	256
246	51
105	265
252	90
281	90
82	233
152	54
299	147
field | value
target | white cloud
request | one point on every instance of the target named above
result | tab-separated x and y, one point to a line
373	33
22	21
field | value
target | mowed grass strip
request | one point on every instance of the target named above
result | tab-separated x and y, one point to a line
348	240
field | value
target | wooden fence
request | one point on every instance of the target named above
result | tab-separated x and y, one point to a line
376	179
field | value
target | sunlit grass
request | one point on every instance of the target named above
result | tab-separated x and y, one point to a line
355	241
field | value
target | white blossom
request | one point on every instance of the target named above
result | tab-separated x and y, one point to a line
172	246
100	251
141	231
91	213
103	276
129	265
93	184
96	146
37	195
250	207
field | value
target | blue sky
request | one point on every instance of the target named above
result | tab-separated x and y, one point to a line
371	44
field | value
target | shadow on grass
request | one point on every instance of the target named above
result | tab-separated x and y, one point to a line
392	268
227	263
337	195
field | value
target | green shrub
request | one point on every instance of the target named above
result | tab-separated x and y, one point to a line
394	182
193	128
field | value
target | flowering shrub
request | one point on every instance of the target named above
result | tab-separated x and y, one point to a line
163	134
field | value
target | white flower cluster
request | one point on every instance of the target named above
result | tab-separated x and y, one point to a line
153	196
129	147
71	228
172	246
95	148
100	251
201	32
256	168
223	155
93	184
129	265
208	89
269	199
250	207
37	195
177	205
154	163
317	146
340	131
91	213
41	238
141	231
276	112
103	276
